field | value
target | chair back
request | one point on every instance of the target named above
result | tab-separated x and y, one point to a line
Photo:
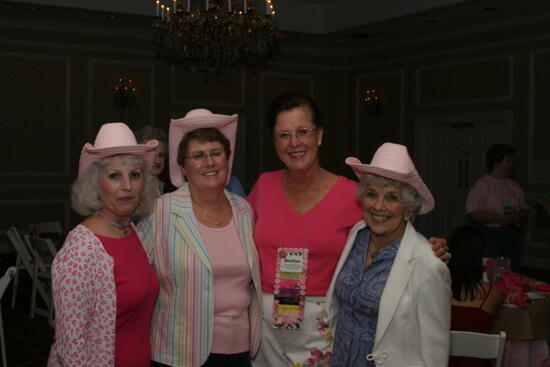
6	279
478	345
24	258
51	230
43	251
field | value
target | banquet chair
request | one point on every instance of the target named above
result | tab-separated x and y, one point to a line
4	282
43	252
51	230
478	345
23	261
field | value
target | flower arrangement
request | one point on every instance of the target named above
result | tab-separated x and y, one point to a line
514	286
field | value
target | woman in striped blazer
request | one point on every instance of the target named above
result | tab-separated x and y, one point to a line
200	241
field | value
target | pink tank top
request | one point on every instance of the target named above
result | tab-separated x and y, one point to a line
137	288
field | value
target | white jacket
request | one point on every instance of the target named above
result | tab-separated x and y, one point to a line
415	308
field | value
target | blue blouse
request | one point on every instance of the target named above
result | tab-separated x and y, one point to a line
358	290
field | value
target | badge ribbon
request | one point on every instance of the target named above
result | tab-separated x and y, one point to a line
290	288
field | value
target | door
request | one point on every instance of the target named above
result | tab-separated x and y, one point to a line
451	157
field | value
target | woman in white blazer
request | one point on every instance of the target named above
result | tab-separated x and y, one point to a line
389	300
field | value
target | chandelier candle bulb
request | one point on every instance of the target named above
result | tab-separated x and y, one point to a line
244	6
158	8
229	6
174	8
207	5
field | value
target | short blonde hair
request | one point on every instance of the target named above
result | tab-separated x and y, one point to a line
85	199
413	201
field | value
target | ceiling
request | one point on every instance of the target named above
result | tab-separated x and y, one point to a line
306	16
375	23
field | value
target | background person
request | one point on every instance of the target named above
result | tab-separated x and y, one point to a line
389	301
303	215
104	288
147	133
474	302
200	240
497	204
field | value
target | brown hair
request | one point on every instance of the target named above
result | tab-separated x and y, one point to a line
206	134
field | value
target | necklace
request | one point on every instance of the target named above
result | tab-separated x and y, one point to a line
125	228
216	221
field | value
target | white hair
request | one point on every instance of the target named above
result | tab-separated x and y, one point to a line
411	199
85	198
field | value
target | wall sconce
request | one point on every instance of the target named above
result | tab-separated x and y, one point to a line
125	96
371	101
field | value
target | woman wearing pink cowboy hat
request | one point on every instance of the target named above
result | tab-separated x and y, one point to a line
200	241
389	301
104	288
303	216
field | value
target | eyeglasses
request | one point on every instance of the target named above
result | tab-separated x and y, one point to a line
201	156
302	132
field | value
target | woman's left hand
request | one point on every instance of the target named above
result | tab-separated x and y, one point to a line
440	249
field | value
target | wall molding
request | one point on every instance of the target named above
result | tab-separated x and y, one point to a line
358	97
65	203
532	165
66	123
467	61
94	61
194	103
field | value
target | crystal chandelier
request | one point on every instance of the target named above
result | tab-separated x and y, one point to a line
217	35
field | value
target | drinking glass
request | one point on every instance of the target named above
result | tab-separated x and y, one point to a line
502	265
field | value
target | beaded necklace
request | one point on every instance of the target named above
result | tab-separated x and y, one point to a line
126	228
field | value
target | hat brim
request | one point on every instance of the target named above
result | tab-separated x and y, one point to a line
411	178
180	127
89	154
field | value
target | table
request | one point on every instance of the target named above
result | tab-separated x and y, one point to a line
527	333
532	323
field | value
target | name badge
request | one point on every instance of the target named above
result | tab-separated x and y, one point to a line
290	288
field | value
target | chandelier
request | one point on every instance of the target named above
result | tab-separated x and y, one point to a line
215	36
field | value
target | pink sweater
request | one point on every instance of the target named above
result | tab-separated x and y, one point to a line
323	230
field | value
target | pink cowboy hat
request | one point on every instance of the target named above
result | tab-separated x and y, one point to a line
198	119
113	139
394	162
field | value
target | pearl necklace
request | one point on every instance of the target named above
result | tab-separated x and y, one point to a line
126	228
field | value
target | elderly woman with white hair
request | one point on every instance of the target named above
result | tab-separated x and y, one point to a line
104	287
389	300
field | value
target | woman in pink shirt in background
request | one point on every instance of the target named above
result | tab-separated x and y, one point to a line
496	203
303	216
104	288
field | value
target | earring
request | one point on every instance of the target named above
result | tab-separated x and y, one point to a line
319	144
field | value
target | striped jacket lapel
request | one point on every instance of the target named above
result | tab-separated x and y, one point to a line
186	224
